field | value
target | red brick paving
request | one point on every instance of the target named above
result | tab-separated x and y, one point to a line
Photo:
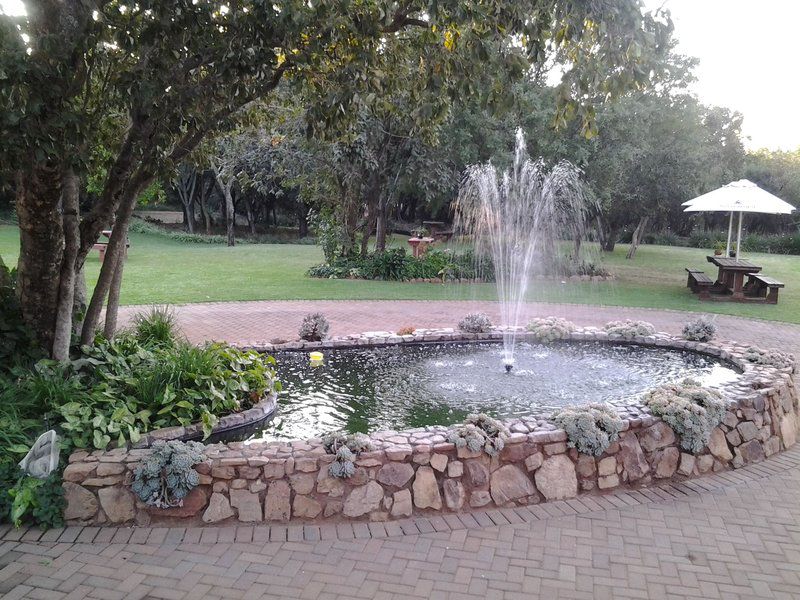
255	322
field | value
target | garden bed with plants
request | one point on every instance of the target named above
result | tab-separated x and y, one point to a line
146	384
439	266
680	430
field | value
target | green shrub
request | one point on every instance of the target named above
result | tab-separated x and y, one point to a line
591	429
480	432
18	346
24	499
119	389
700	330
549	329
475	323
157	327
690	410
630	329
166	476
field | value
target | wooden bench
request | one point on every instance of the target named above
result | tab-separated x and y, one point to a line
764	287
698	282
443	236
102	246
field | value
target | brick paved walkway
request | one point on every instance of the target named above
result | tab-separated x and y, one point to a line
254	322
732	535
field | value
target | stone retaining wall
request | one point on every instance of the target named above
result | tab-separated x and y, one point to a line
417	471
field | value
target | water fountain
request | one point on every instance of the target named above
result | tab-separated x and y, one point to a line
518	217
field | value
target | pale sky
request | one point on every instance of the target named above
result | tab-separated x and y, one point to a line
749	52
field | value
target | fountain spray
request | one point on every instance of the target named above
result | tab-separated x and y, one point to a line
518	217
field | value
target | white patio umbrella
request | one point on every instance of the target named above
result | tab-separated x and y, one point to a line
738	196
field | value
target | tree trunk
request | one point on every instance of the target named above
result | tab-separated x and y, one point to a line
226	187
41	232
381	219
637	234
302	217
606	236
185	183
112	307
62	335
248	204
204	205
116	247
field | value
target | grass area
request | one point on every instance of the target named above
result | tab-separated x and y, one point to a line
161	270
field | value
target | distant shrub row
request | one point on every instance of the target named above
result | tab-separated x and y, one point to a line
752	242
140	226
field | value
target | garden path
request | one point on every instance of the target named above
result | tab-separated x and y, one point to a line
731	535
262	321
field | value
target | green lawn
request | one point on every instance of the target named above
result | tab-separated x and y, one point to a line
160	270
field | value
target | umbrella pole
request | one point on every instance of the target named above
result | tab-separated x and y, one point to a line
730	233
739	237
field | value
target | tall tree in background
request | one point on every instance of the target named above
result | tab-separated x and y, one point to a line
179	71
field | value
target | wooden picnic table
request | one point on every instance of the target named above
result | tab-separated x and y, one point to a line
731	274
433	227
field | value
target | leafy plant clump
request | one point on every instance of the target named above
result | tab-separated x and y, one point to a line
475	323
690	409
480	432
591	428
406	330
166	476
156	328
395	265
551	328
775	358
123	389
700	330
18	346
314	327
346	448
630	329
25	499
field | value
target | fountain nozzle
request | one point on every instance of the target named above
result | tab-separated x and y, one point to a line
509	366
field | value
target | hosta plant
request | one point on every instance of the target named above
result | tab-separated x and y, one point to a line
166	476
475	323
699	330
314	327
691	410
590	429
629	329
550	329
480	432
346	449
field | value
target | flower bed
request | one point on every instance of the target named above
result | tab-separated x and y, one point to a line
419	470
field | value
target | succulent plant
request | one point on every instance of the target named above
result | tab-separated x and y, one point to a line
691	410
549	329
480	432
590	429
346	448
475	323
314	327
630	329
700	330
166	476
774	358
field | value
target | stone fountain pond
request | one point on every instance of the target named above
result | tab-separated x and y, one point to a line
415	385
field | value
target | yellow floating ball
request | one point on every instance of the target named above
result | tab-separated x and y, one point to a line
316	357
